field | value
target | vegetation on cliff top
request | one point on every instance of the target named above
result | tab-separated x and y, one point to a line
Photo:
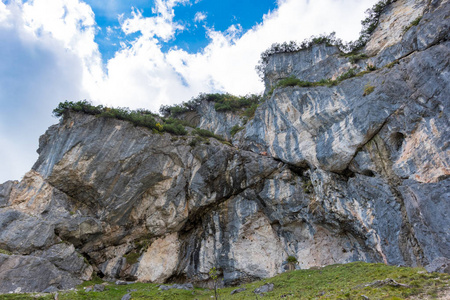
140	117
349	281
369	24
222	102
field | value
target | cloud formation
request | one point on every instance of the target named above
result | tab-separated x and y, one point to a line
51	56
36	73
199	16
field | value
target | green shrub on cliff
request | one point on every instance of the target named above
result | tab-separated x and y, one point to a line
139	117
2	251
222	102
207	134
235	129
368	89
415	22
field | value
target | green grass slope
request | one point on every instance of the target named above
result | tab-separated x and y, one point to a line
348	281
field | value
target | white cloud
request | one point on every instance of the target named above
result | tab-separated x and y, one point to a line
199	16
4	14
160	26
36	73
164	8
51	56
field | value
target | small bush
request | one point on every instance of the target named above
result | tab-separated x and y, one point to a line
292	259
325	81
415	22
176	129
250	112
349	74
390	65
308	187
178	109
214	275
227	102
196	141
368	89
132	258
291	262
354	58
235	129
371	67
207	133
2	251
293	81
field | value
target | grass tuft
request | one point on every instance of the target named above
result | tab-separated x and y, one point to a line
2	251
368	89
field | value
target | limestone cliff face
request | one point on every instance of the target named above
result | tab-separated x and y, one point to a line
350	175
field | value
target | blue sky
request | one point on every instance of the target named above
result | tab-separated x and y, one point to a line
139	54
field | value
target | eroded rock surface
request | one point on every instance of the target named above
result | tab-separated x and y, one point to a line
349	175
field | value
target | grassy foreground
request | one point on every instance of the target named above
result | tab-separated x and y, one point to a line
349	281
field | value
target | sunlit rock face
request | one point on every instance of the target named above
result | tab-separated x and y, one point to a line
326	174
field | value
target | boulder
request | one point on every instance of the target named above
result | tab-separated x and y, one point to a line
268	287
439	264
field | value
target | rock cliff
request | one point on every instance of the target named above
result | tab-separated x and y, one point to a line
350	174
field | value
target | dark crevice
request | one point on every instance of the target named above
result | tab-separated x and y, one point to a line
368	173
348	173
100	274
298	170
397	140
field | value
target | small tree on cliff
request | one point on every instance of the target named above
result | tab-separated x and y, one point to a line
292	262
213	274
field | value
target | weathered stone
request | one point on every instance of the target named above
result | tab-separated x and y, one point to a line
22	233
439	264
186	286
32	274
268	287
99	288
237	291
160	260
126	297
65	257
50	289
427	206
5	191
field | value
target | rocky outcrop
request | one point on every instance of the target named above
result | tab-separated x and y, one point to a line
219	122
350	174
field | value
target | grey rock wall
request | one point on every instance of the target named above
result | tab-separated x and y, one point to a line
348	176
